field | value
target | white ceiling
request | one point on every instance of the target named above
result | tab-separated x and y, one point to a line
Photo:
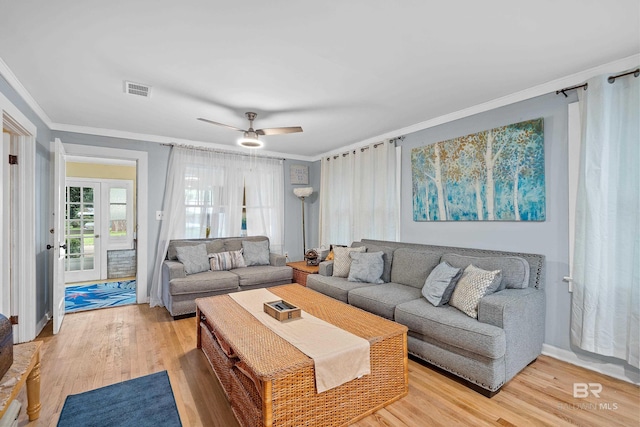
346	71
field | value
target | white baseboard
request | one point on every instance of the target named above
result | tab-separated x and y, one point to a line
610	369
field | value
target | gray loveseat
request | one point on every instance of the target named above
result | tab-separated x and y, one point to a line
179	290
487	351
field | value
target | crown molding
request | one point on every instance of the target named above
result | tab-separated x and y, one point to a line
112	133
13	81
542	89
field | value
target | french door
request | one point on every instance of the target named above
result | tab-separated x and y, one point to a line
82	231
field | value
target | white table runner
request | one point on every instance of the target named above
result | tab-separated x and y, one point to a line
338	355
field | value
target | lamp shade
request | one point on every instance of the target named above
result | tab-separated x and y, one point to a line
303	192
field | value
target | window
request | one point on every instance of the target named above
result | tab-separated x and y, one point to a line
118	197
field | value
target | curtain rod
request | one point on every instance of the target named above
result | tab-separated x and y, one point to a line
218	150
366	147
635	73
611	79
562	91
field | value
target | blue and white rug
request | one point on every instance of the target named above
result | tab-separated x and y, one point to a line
99	295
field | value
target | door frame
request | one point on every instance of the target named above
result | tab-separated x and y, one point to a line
25	228
142	217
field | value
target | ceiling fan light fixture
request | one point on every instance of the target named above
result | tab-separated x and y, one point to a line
248	142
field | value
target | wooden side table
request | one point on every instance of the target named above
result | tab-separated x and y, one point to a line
25	368
301	270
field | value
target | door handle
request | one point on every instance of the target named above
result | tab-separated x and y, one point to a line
97	236
64	246
49	247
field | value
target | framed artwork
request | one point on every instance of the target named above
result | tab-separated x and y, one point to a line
299	174
495	175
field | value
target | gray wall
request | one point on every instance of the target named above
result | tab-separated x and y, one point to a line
550	238
43	178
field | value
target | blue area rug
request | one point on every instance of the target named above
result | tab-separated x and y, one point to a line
142	402
99	295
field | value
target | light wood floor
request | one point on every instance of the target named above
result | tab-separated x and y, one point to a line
102	347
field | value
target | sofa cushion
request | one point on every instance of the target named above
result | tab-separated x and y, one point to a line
194	258
213	245
387	257
335	287
226	260
342	260
366	267
263	274
255	253
474	284
382	299
204	282
450	326
515	270
411	267
440	283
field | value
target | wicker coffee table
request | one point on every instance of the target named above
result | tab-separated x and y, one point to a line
269	382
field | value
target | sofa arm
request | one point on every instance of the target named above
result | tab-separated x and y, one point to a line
325	268
277	260
520	313
172	270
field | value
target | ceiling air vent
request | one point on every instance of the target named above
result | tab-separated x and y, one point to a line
137	89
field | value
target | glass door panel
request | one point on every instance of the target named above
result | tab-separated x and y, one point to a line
82	231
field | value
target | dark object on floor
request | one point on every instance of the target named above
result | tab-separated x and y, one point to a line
142	402
6	345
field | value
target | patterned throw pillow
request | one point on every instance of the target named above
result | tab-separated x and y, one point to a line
474	284
226	260
194	258
342	260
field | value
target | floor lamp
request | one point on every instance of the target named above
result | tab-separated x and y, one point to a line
303	193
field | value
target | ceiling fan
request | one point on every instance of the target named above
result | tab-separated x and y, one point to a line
250	139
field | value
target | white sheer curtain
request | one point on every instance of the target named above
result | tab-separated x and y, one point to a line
336	189
606	300
205	188
358	195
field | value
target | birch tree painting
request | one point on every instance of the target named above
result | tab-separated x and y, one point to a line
495	175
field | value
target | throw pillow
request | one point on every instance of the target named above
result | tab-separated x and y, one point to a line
474	284
226	260
440	284
366	267
342	260
256	253
194	258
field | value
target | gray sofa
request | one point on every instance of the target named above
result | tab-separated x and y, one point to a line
487	351
179	290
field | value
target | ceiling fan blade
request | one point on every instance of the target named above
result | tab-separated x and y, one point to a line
279	131
220	124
